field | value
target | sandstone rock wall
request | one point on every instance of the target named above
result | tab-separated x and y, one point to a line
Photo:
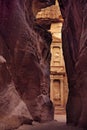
74	47
24	64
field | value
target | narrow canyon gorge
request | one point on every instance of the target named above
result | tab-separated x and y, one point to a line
25	63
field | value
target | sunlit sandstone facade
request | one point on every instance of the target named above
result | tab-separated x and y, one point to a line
51	19
58	77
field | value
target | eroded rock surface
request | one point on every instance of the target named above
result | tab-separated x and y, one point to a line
24	64
74	35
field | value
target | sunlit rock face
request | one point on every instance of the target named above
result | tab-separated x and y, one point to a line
24	64
74	35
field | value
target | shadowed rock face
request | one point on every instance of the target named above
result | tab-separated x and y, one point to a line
24	64
74	35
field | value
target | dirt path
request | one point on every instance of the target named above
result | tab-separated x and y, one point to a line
54	125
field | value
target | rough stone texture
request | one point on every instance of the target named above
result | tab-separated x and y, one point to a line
24	64
13	111
74	35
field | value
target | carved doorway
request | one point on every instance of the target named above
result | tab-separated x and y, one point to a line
56	93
